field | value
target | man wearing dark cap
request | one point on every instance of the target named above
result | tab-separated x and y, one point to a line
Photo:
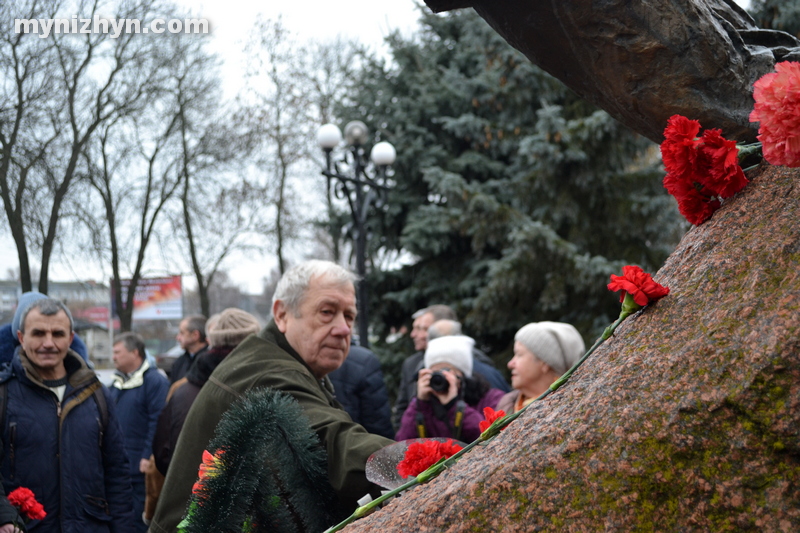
61	438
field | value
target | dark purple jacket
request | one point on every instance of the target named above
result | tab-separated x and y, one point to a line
434	427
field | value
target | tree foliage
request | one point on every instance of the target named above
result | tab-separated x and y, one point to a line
514	198
781	15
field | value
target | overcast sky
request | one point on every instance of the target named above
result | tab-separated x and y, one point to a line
367	21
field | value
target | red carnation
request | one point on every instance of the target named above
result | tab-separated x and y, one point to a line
725	176
777	109
420	455
638	284
695	203
491	415
679	149
25	502
700	171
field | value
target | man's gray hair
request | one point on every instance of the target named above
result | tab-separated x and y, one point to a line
47	307
197	323
443	328
132	341
294	283
441	312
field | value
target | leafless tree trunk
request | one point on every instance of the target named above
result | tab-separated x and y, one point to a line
65	88
114	183
25	93
220	210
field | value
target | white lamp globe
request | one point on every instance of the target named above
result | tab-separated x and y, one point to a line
383	154
329	136
356	133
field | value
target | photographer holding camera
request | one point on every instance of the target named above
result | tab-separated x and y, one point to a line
450	400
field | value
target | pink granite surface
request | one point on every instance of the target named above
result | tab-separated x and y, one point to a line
687	420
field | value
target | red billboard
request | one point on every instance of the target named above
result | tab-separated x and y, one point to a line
156	298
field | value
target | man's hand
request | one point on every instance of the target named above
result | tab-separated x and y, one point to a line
144	466
9	528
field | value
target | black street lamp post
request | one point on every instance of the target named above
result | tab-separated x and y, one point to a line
360	190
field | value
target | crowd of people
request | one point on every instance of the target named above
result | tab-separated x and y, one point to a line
125	457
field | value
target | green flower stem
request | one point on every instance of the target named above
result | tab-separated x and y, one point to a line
749	149
432	471
364	510
609	331
501	423
628	308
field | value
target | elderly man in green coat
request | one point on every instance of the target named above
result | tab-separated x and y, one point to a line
314	309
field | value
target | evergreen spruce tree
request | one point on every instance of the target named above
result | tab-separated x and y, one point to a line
781	15
514	198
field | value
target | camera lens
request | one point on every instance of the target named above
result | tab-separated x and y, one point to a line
438	382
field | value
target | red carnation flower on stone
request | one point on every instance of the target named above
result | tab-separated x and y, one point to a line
700	171
725	176
420	455
695	202
490	415
679	149
639	284
24	500
777	109
695	207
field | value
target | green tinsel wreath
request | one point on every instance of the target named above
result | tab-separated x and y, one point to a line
271	472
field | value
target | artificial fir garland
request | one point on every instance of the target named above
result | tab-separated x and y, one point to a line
268	472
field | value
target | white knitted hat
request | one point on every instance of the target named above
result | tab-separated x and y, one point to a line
453	349
555	343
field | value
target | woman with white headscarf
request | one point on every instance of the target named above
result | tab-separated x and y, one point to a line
450	399
543	351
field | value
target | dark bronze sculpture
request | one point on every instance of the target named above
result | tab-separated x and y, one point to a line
645	61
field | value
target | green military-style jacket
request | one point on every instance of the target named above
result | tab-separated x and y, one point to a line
267	360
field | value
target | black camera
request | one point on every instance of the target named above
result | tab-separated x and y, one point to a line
439	382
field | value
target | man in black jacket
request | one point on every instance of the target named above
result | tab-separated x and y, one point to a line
362	392
192	338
